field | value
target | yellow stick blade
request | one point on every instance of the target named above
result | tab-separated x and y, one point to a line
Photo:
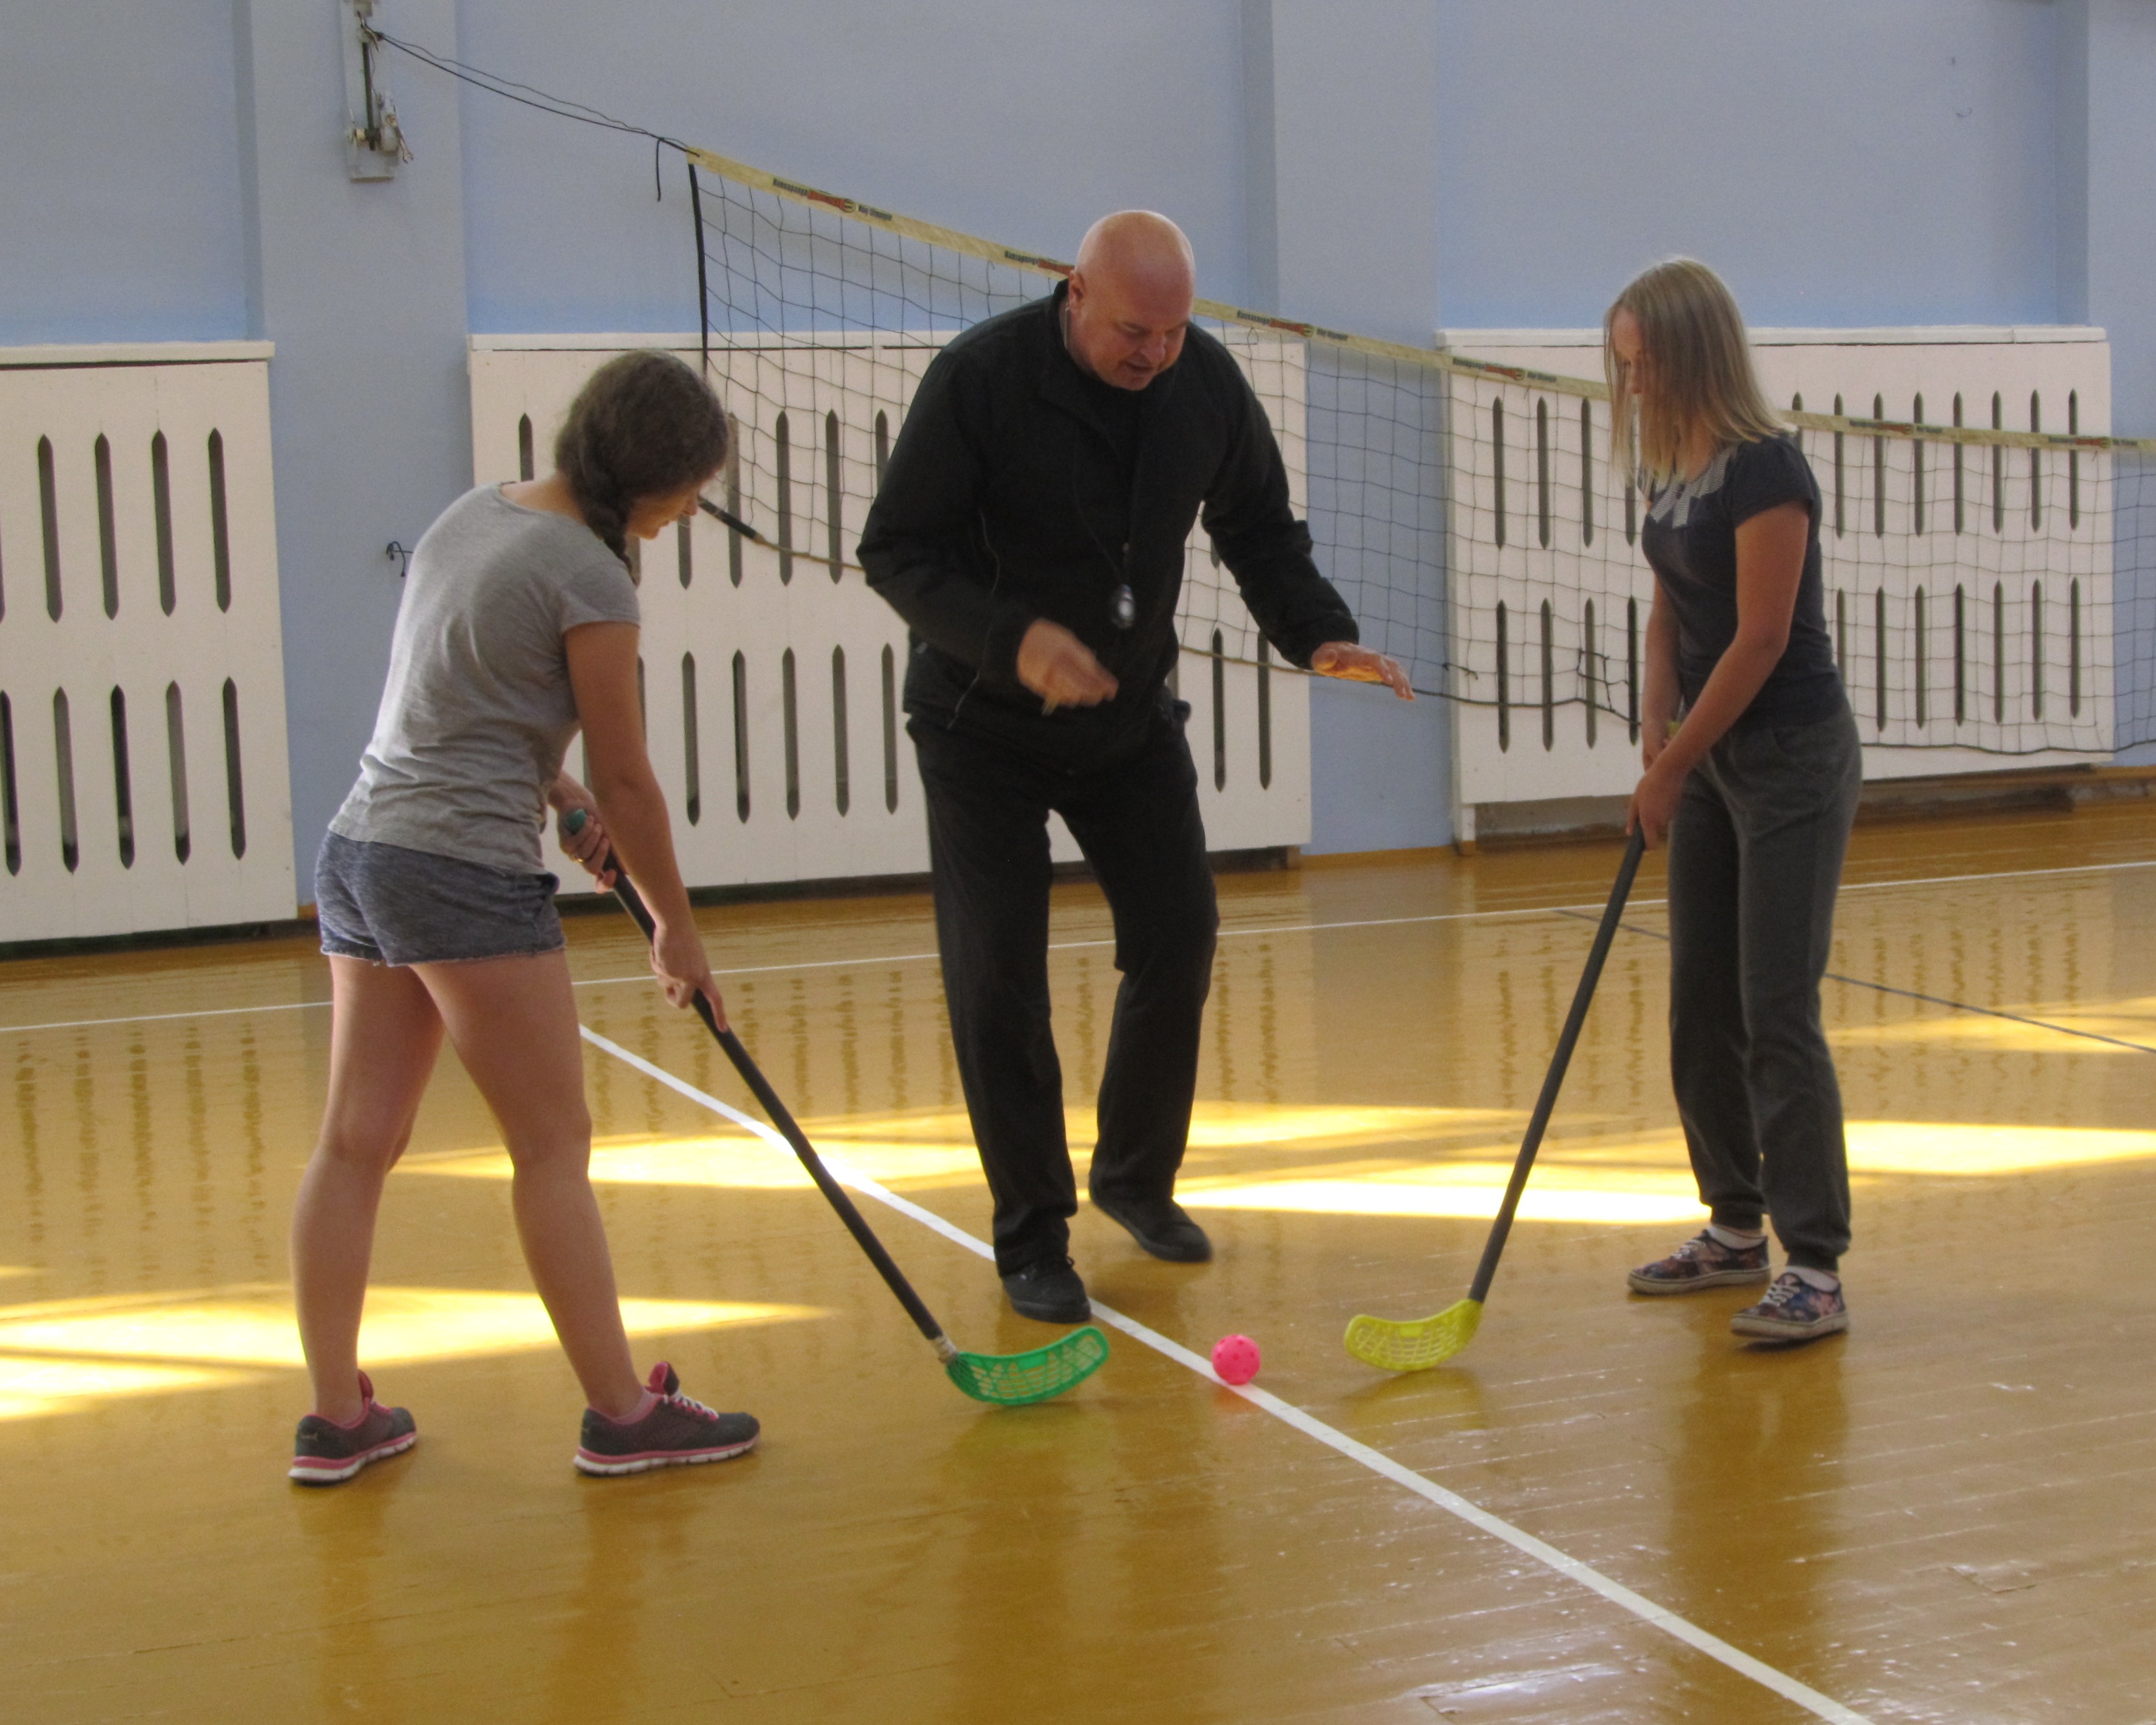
1415	1346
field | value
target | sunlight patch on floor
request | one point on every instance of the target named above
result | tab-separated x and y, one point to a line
1916	1147
1557	1193
31	1387
936	1147
57	1353
1450	1162
1213	1126
734	1160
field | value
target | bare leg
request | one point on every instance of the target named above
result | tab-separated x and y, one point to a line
514	1025
384	1036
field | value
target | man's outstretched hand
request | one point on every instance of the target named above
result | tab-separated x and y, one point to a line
1352	664
1060	669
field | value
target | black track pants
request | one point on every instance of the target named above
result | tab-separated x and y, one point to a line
1136	820
1755	860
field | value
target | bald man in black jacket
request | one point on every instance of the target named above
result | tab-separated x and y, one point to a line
1030	529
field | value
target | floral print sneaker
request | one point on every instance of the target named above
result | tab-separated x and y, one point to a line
1701	1262
1793	1310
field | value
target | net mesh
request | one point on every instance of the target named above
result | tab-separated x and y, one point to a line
1988	589
2133	594
819	320
1984	590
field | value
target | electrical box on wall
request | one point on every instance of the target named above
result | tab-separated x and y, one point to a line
373	143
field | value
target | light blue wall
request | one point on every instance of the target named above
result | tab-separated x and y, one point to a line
1349	234
2107	191
2108	275
1841	161
360	285
120	217
1021	122
1388	165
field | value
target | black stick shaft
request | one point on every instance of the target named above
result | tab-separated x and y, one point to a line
783	1118
1554	1080
703	283
732	520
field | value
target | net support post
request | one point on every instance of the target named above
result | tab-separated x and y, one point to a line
1463	811
373	143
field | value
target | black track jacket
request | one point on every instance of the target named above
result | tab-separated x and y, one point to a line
1004	501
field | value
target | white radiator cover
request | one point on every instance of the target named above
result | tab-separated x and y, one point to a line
1857	366
795	823
139	614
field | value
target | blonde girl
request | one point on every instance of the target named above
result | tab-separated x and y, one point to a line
1751	774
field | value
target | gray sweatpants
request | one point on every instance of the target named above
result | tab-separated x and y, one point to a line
1755	859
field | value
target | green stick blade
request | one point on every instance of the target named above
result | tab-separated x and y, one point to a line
1011	1380
1416	1346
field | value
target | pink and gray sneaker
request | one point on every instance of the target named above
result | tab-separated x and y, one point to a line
672	1430
325	1453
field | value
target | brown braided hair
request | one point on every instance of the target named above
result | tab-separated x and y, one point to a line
643	424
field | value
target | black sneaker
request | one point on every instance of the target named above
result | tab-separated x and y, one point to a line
1159	1224
679	1431
1049	1291
326	1454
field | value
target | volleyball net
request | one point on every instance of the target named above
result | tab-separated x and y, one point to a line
1987	587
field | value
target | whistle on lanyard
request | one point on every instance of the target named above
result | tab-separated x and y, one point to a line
1122	608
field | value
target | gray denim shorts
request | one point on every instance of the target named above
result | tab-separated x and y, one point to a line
391	906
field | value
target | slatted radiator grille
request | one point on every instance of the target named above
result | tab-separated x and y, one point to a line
1967	589
143	776
773	675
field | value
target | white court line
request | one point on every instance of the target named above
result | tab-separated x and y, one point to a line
152	1018
1820	1706
1233	932
868	964
1997	875
1242	932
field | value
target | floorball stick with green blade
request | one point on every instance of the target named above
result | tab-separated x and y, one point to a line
1418	1343
1006	1379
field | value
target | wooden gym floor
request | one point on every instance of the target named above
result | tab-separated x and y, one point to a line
1947	1515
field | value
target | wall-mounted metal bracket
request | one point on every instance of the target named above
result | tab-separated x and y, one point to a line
374	144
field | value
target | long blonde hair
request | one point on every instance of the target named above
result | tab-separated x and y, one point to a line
1700	374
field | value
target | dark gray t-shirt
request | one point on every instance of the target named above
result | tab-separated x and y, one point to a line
478	712
1690	540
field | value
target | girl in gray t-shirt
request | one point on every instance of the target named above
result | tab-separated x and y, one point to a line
518	627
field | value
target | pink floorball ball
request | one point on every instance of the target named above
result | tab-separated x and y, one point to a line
1235	1358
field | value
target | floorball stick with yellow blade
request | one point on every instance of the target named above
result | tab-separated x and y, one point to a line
1417	1344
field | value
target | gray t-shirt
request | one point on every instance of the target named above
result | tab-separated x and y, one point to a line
477	710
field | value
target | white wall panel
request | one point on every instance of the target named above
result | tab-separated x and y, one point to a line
2036	688
138	584
764	803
